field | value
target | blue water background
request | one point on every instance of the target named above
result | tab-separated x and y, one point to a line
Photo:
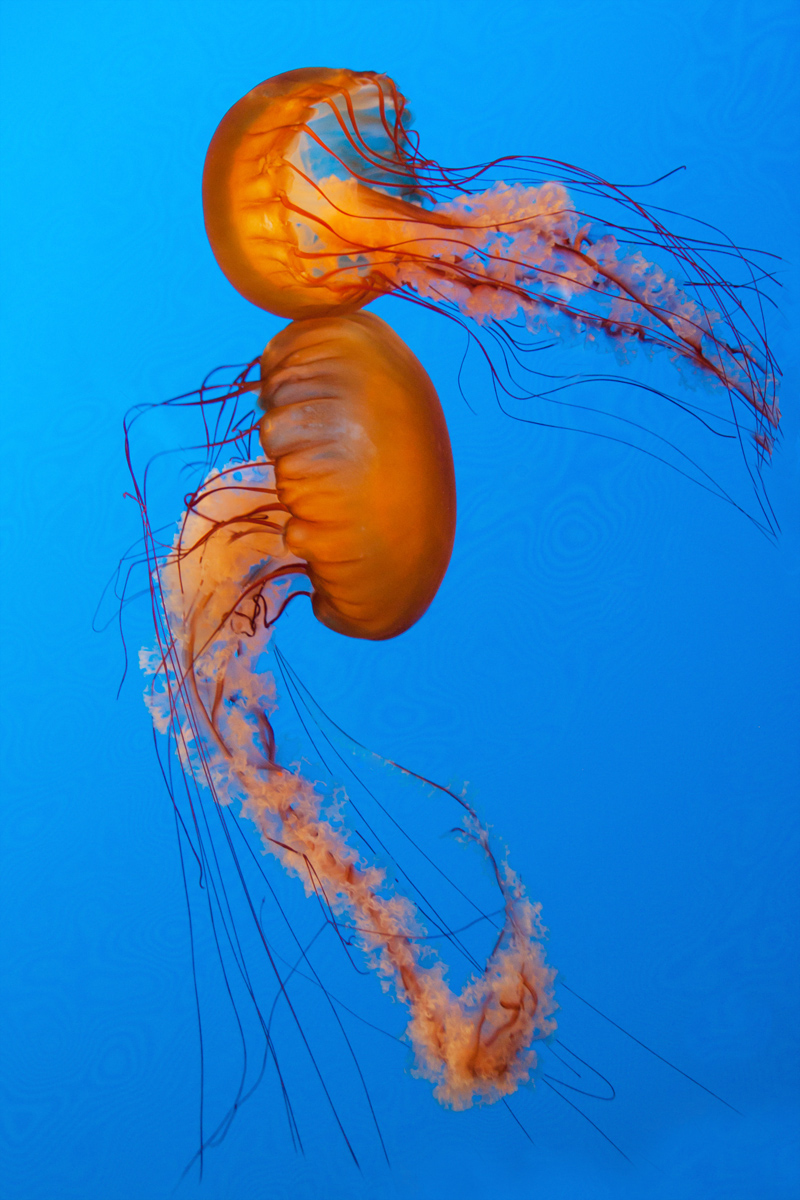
611	662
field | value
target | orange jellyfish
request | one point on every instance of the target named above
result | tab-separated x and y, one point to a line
358	494
318	201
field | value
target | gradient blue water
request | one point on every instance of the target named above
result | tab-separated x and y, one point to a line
611	662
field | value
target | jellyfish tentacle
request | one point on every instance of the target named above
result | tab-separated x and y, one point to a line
473	1046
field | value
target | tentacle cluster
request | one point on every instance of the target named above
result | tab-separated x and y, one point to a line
221	588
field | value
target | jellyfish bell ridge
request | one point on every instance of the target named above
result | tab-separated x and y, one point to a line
265	213
364	466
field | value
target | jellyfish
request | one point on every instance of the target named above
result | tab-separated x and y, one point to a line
318	202
357	494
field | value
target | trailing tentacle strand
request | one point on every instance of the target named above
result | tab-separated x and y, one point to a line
229	570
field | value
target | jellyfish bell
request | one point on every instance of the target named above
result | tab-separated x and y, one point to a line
261	169
363	466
